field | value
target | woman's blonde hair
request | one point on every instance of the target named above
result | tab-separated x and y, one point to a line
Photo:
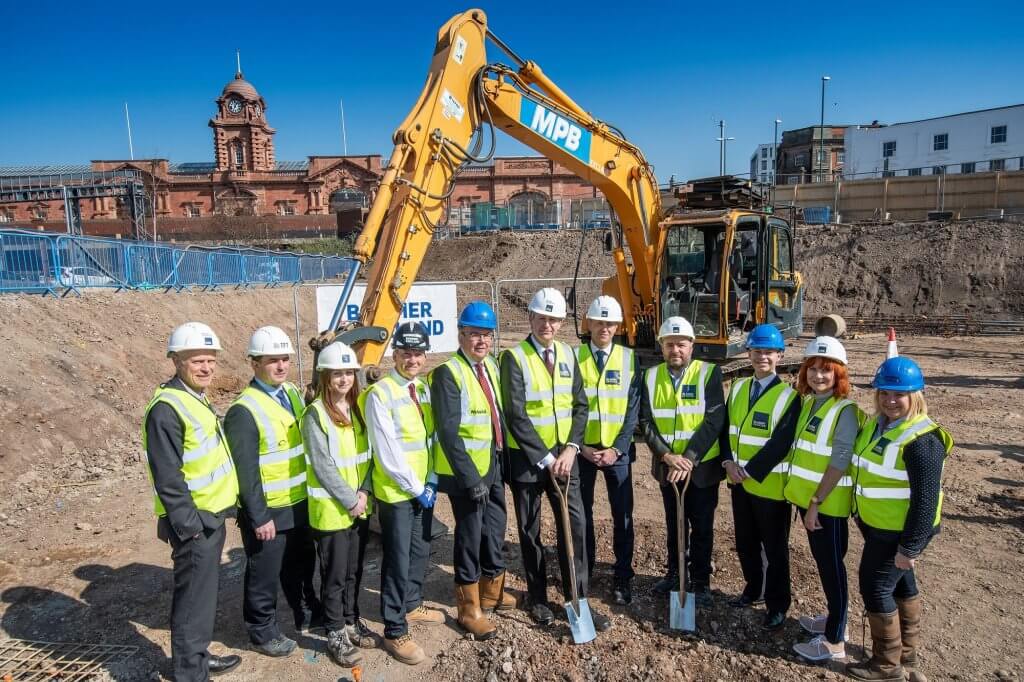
917	404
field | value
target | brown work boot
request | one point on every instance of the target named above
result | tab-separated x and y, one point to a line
910	629
421	614
404	650
493	595
471	618
886	646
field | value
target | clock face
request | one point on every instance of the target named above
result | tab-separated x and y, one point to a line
256	109
234	105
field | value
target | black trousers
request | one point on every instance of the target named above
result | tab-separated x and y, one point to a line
194	603
289	560
479	535
762	523
699	517
527	500
618	481
341	554
405	536
828	547
881	583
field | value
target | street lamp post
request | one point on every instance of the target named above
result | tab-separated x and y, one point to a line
722	140
775	159
821	131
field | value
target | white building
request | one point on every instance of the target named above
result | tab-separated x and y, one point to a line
972	142
762	164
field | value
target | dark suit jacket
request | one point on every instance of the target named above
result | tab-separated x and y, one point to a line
779	443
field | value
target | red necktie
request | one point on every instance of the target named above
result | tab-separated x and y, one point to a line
415	398
549	361
499	441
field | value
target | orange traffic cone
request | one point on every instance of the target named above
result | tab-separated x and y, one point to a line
891	351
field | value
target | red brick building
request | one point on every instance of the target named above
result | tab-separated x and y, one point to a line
246	179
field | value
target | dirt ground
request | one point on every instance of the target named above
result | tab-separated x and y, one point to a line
80	561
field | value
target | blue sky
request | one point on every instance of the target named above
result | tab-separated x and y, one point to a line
663	72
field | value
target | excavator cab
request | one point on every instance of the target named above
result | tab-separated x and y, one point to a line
726	271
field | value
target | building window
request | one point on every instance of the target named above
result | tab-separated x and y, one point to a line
193	211
39	212
286	207
967	167
764	165
237	154
764	152
914	171
888	174
940	143
997	165
6	216
998	134
938	170
889	148
841	156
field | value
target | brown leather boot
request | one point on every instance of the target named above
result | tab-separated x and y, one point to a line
910	629
886	646
471	618
404	650
493	595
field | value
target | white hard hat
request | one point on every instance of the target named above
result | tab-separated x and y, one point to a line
192	336
270	341
676	326
548	302
606	309
337	356
826	347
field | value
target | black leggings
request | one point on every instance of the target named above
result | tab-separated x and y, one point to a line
881	583
828	547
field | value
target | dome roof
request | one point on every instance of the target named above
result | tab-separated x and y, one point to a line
240	86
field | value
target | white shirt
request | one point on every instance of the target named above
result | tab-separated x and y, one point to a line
380	429
764	384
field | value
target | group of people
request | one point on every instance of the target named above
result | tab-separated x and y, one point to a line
543	419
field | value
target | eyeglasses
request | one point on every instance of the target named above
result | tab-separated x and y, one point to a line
479	336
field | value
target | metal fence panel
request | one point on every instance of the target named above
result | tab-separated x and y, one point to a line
226	268
335	267
28	262
87	262
151	266
311	268
262	269
289	268
192	268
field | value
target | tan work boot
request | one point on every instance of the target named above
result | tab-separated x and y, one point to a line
493	595
421	614
471	618
886	647
910	629
404	650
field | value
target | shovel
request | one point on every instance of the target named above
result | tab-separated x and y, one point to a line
682	614
577	610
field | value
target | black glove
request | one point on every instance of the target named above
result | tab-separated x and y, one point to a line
478	493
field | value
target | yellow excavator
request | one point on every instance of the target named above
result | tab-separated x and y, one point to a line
677	263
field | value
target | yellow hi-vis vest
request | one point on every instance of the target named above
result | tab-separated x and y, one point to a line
206	461
548	399
415	434
749	430
350	451
810	456
679	413
881	485
607	392
282	463
475	428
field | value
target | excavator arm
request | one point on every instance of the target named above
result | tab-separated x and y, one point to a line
464	101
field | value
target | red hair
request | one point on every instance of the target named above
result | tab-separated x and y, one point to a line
841	389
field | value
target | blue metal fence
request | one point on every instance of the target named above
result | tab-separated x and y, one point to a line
34	262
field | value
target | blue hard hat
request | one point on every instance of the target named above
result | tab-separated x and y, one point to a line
899	374
765	337
478	314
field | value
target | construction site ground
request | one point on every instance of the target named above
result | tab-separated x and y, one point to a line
79	560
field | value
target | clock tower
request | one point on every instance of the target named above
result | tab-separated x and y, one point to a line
242	140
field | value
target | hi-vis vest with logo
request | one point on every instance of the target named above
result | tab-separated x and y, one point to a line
881	485
548	399
415	433
749	430
350	451
475	428
607	392
206	460
282	467
810	456
679	413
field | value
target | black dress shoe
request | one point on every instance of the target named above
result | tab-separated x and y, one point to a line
276	648
601	622
621	593
541	614
744	601
222	664
311	622
670	583
773	620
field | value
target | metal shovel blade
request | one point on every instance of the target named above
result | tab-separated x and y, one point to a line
582	623
682	617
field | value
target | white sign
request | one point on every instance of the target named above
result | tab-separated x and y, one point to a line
434	305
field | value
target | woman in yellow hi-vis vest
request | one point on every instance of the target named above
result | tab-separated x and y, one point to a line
898	461
338	483
820	486
762	414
